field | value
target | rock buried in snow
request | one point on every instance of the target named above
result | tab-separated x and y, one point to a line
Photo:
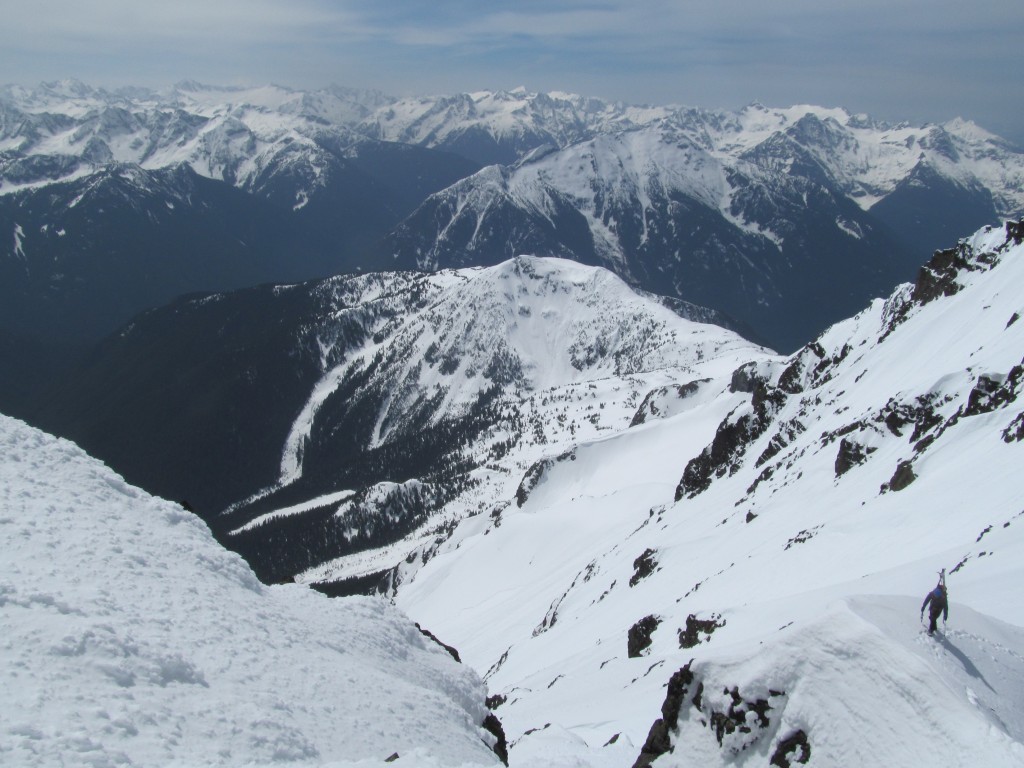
793	749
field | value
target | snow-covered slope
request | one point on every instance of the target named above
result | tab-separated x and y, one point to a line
494	369
350	413
760	544
130	637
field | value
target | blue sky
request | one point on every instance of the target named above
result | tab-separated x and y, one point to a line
921	60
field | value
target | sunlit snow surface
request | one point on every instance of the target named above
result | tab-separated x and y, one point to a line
816	578
130	637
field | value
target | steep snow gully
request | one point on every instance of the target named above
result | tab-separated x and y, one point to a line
734	580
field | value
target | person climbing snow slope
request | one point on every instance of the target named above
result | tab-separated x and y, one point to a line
939	604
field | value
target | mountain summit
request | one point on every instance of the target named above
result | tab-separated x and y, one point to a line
131	637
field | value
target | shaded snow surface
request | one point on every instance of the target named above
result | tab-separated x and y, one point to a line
130	637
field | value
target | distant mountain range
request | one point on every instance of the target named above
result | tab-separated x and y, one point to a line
785	219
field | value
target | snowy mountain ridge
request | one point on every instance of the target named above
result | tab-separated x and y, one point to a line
229	133
673	217
868	157
761	543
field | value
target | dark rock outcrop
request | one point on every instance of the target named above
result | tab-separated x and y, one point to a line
691	635
493	726
639	638
658	739
643	567
851	454
734	718
739	727
993	391
902	477
941	275
427	633
734	435
795	748
1014	433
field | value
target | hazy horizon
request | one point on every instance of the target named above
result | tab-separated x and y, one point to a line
892	60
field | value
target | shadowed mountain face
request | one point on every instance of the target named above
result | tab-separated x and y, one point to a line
92	252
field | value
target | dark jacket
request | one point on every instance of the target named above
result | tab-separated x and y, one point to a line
937	598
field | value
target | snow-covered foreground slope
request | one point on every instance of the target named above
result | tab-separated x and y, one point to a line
746	563
130	637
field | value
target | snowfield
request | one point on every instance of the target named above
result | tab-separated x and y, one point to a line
761	597
130	637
